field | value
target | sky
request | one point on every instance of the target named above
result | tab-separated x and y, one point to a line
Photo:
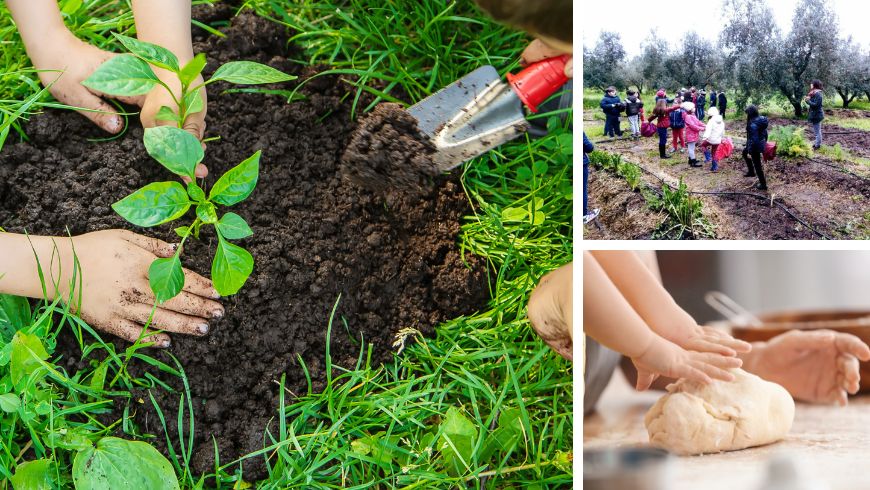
633	19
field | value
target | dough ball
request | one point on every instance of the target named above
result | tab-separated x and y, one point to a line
694	418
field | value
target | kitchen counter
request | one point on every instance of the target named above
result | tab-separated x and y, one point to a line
829	443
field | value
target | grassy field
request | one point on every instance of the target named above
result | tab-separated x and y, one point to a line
484	403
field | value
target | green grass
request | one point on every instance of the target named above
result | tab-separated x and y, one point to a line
484	402
849	122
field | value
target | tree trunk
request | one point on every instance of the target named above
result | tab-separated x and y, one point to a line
798	109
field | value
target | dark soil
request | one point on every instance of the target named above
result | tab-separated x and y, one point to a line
625	215
388	152
393	260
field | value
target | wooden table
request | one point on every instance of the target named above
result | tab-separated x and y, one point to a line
829	443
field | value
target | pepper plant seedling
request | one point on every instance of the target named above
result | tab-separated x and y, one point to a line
180	152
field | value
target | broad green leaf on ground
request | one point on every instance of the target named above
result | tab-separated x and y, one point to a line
206	212
152	53
192	69
27	351
505	437
238	183
195	191
34	475
124	74
166	114
457	441
249	73
514	214
166	278
9	402
230	268
118	464
14	314
154	204
233	227
69	438
193	102
376	446
175	149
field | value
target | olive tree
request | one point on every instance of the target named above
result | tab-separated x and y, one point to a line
749	42
851	72
603	64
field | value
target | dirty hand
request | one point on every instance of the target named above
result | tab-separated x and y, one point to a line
550	310
115	294
664	358
68	61
159	97
819	366
538	50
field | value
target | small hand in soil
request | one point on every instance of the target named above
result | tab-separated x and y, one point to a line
388	152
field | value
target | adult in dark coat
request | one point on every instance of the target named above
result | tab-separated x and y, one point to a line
756	141
723	104
713	98
816	100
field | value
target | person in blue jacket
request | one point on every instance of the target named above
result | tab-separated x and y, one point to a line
612	106
815	99
588	147
713	98
702	103
723	103
756	141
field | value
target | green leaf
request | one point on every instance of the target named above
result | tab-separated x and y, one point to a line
192	69
540	167
457	441
376	447
566	141
34	475
238	183
27	351
206	212
195	192
514	214
233	227
174	148
166	278
9	402
231	267
117	464
14	314
154	204
98	378
166	114
72	439
70	6
152	53
124	74
524	174
182	231
192	102
249	73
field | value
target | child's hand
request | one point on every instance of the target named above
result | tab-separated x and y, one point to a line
538	50
709	339
66	64
664	358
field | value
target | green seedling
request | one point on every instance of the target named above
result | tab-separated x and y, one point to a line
180	152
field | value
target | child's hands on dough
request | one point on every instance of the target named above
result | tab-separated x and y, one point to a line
819	366
709	339
664	358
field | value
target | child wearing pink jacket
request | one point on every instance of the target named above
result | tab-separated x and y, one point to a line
693	129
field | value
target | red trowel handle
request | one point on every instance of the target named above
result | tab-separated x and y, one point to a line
539	81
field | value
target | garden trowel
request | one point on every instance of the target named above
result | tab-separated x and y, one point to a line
480	112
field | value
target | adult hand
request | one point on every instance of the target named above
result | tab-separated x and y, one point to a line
664	358
538	50
818	366
550	310
64	64
116	297
159	97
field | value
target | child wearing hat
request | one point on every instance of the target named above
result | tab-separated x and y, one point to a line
693	130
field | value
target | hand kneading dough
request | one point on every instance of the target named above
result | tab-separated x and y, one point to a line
695	419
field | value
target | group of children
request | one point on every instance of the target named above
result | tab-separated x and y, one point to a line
684	118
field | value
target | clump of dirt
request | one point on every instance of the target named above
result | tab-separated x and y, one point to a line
387	151
393	260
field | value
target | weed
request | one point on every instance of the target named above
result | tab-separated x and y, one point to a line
685	212
180	152
790	142
631	173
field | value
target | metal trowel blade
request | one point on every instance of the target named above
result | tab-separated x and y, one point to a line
469	117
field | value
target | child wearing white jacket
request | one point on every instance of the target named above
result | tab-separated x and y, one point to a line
713	135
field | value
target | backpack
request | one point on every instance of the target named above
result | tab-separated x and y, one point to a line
677	121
